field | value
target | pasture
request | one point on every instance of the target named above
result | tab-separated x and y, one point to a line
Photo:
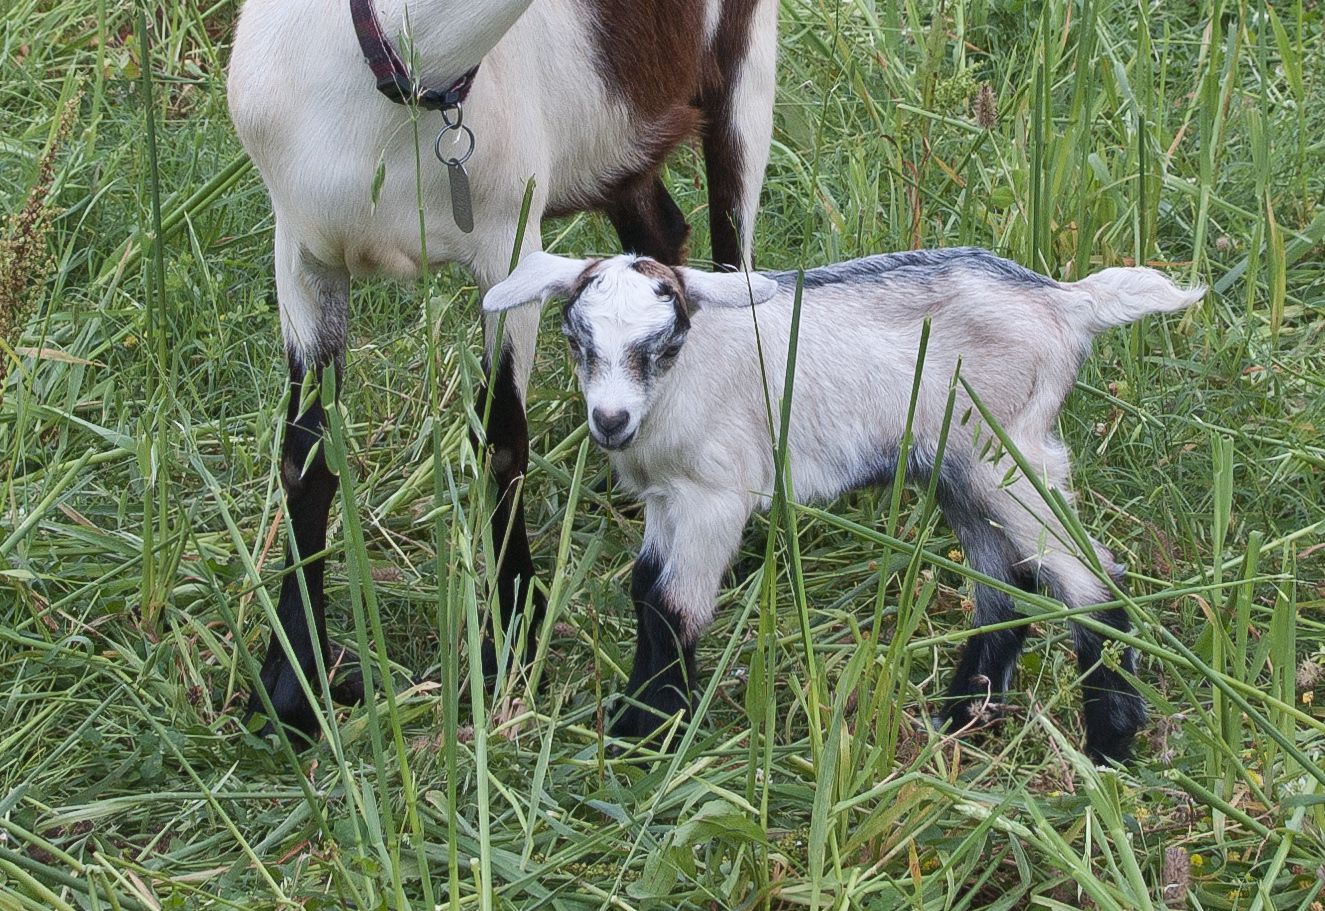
141	520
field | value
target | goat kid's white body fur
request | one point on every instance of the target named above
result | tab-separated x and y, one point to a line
702	458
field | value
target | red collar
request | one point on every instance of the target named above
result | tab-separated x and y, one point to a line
393	77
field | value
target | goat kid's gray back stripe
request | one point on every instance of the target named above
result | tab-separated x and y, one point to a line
884	265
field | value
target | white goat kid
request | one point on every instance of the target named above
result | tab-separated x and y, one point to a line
587	97
668	364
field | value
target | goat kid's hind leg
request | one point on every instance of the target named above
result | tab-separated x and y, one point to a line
738	106
988	659
689	540
508	439
313	302
1113	710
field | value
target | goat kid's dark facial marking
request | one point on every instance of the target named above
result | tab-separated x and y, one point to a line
646	359
652	356
579	334
579	338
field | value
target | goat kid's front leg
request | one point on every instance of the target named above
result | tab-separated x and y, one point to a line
314	302
689	540
663	674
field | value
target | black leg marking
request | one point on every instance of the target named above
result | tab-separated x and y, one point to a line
988	660
664	670
649	222
508	435
310	488
1113	711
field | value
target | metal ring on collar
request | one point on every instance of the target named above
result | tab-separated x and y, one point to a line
451	161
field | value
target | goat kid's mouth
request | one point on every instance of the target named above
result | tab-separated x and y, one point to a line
613	442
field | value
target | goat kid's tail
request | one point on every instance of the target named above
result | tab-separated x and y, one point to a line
1118	296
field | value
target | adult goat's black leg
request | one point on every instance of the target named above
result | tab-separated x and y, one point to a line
737	104
648	221
508	438
314	299
310	488
723	157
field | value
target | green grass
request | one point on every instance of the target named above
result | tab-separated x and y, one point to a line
141	525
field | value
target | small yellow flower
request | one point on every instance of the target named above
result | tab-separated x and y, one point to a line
1198	860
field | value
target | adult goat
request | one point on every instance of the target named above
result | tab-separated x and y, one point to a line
587	97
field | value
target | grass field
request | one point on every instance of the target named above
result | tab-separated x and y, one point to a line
141	525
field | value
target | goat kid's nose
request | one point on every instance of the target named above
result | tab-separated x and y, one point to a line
609	422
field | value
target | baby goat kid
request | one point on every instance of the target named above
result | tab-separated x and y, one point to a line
670	370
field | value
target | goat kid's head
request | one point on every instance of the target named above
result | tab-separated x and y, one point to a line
625	319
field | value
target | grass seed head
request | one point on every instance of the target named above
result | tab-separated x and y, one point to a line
1177	876
986	108
25	257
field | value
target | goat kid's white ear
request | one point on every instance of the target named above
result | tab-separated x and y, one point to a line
726	289
539	277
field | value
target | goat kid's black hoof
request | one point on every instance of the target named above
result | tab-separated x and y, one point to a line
645	723
635	723
1114	752
293	712
1110	744
345	675
1112	722
967	718
488	660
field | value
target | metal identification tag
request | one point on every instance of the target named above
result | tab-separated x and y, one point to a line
462	203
